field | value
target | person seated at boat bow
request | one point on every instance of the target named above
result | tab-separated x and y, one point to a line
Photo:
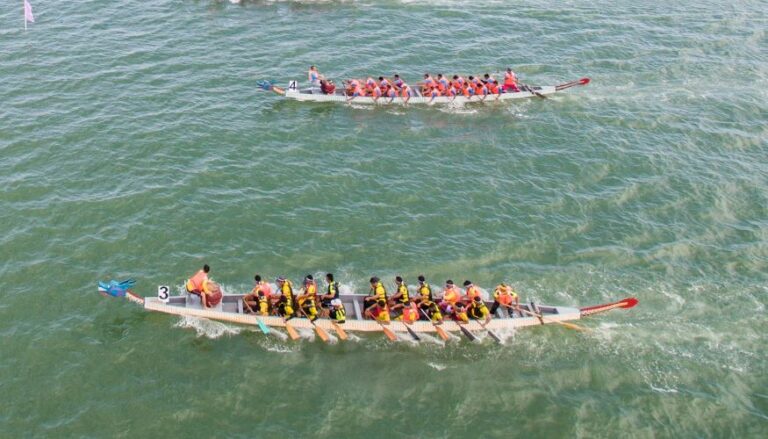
378	311
378	292
338	313
504	296
477	310
307	299
327	86
199	282
313	76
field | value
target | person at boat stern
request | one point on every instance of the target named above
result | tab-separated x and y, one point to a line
313	76
504	296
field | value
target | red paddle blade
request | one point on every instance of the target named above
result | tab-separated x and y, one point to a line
584	81
629	302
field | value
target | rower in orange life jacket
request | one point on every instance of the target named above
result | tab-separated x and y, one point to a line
442	83
391	93
406	92
506	297
253	300
410	313
471	291
383	83
428	84
451	293
510	81
198	283
492	84
457	82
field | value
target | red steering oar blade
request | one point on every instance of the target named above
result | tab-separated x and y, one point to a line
629	302
582	81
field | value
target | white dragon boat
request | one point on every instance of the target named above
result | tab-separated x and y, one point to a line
293	91
231	310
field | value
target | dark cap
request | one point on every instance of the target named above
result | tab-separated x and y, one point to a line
398	279
421	278
466	282
449	282
257	278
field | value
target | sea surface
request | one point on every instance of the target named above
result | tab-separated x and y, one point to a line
134	142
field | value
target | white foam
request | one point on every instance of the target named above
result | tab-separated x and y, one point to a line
207	328
437	366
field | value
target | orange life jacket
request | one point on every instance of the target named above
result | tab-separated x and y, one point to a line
472	291
198	281
451	295
410	314
509	79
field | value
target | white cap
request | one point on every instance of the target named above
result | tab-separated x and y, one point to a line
336	302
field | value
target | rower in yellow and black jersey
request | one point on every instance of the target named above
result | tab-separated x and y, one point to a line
378	292
401	298
477	310
284	305
430	311
337	312
424	290
307	300
331	293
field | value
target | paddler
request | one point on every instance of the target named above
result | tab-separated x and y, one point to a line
430	311
308	298
451	295
378	311
338	313
470	291
424	290
432	93
478	311
406	92
510	81
428	83
505	296
199	282
442	83
261	293
459	314
390	93
378	292
401	298
356	90
331	293
384	83
492	84
397	82
410	313
284	305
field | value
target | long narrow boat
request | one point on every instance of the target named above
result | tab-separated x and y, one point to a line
315	95
231	310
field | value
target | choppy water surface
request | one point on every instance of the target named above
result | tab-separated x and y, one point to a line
133	142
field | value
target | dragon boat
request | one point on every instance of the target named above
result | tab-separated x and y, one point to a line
231	310
293	91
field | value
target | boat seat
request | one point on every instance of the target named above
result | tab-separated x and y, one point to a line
240	306
358	314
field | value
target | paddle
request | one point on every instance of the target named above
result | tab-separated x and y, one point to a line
541	319
320	331
262	326
291	330
530	89
491	333
342	333
440	331
388	332
582	81
411	331
466	332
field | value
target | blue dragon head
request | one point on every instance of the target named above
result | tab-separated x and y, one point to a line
115	288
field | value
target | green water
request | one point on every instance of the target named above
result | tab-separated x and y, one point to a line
134	143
